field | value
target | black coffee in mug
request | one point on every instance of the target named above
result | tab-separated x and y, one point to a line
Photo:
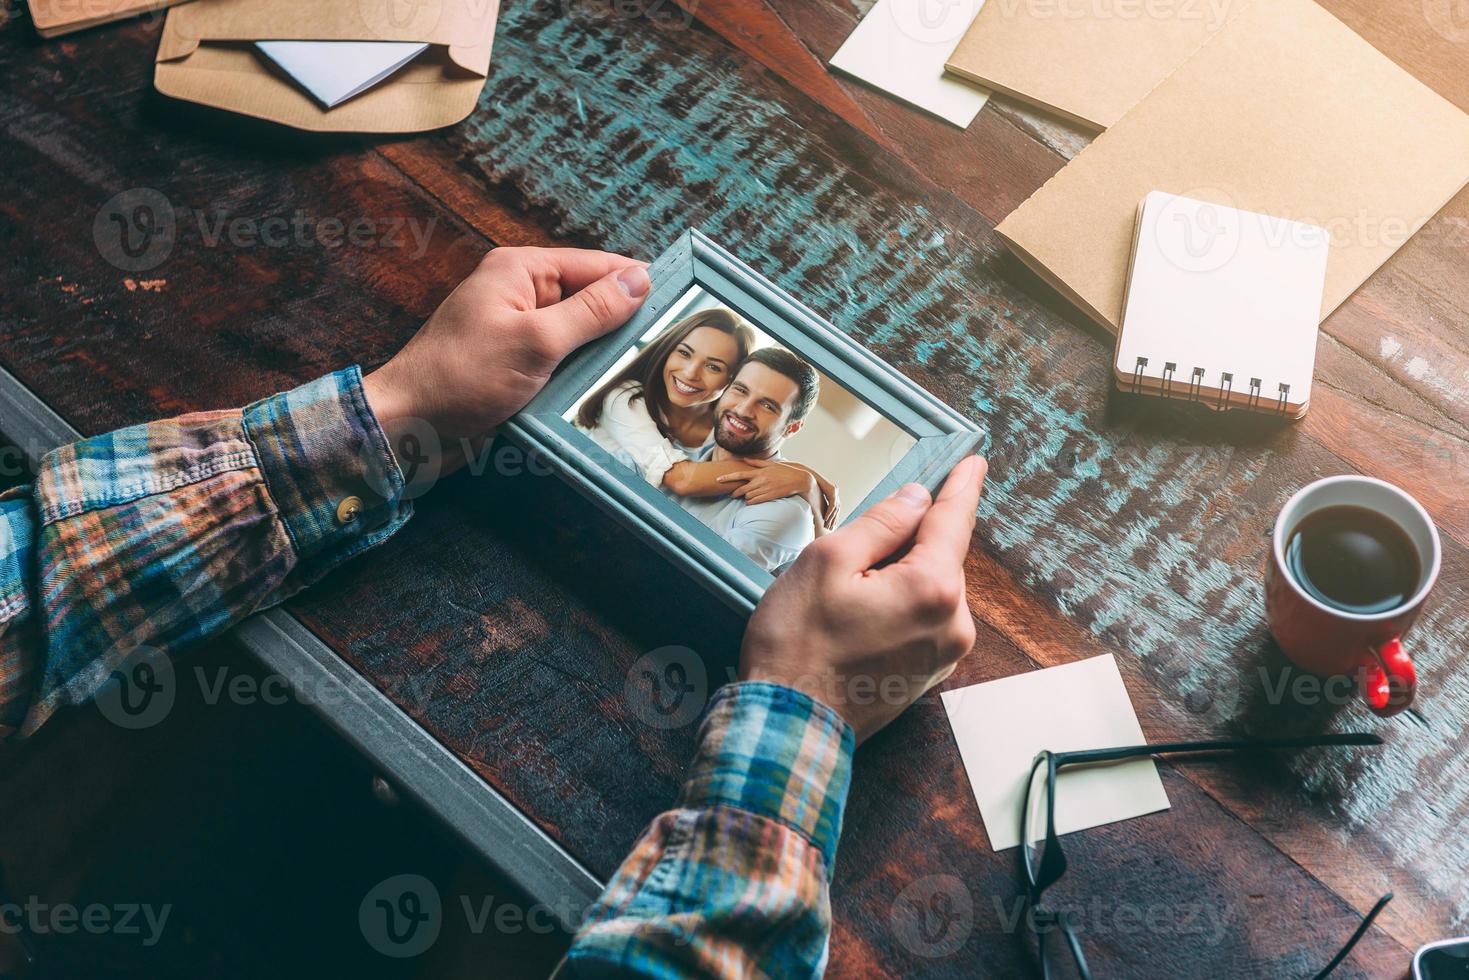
1353	559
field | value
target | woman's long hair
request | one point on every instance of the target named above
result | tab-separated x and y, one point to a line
647	367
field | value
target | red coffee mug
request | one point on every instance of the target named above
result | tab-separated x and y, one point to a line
1330	641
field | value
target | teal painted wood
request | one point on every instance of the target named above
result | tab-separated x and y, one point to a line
1147	531
943	436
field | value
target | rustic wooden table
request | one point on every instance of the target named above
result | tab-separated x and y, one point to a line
503	621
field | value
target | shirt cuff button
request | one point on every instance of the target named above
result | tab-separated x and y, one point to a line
348	510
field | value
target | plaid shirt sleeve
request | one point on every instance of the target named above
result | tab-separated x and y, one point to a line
733	881
156	536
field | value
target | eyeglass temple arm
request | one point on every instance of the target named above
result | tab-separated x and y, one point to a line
1219	745
1356	936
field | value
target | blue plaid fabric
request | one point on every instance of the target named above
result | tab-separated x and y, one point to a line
160	535
733	882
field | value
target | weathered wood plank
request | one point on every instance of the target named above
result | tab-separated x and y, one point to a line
490	617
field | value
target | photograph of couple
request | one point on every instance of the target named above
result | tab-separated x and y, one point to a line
738	431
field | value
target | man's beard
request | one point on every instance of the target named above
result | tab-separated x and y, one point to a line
754	445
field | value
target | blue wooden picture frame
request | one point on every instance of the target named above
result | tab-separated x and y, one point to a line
943	436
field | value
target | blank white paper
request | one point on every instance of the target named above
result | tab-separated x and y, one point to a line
1002	725
901	46
334	71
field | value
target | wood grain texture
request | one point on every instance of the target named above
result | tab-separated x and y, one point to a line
508	616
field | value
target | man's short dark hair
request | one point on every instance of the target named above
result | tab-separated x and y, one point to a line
804	375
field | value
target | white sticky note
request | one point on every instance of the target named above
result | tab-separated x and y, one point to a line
1001	726
901	46
334	71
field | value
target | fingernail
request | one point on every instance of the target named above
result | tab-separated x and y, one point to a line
634	282
913	494
975	468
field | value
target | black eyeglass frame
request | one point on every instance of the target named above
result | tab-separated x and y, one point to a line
1053	859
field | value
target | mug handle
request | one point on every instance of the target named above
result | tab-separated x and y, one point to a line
1387	678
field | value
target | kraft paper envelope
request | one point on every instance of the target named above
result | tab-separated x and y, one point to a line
53	18
1285	112
205	56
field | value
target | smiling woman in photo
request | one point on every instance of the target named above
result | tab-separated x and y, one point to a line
658	411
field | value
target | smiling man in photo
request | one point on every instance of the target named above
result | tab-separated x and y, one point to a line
764	405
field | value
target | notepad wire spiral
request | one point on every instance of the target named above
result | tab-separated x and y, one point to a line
1196	386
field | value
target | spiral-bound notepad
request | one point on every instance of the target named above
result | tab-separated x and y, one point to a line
1221	306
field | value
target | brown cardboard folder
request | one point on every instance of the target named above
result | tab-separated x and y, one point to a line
1285	112
205	56
52	18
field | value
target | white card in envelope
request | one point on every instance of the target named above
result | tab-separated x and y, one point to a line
334	71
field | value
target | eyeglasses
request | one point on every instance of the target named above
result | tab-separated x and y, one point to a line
1447	959
1043	862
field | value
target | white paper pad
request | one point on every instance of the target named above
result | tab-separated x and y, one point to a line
1001	725
334	71
901	46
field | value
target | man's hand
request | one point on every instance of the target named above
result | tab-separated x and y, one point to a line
492	344
870	641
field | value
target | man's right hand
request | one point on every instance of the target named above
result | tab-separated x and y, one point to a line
869	641
493	343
